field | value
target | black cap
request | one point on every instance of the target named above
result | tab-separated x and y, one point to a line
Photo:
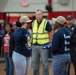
69	17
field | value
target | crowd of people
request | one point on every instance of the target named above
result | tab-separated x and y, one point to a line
22	43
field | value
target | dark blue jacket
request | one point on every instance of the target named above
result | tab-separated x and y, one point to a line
61	42
23	42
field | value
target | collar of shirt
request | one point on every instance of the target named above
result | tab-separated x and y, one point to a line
39	22
71	28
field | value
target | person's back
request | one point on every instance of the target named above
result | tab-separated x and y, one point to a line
60	48
21	43
64	42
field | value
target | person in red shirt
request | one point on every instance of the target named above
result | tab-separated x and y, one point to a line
8	47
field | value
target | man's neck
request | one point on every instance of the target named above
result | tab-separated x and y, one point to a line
69	26
39	21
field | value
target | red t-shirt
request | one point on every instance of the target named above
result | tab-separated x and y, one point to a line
6	41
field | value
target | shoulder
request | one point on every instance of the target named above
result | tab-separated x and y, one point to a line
20	30
34	21
74	25
11	33
48	26
48	23
27	32
62	29
74	29
59	32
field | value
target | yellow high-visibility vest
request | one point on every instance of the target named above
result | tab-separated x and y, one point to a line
40	35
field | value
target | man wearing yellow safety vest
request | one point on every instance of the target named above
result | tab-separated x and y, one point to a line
42	35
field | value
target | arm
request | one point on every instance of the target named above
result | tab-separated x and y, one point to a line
49	29
12	44
55	43
18	34
50	36
2	45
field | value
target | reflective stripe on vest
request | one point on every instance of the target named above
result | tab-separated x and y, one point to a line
40	35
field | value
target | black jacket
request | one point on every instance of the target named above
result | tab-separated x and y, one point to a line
11	45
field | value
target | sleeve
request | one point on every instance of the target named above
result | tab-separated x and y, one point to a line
18	34
55	43
12	45
3	45
48	27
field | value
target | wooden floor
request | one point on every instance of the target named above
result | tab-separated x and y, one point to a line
2	72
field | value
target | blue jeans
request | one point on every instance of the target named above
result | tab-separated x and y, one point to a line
9	64
38	52
60	64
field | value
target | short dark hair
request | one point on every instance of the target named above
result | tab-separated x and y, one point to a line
18	24
69	17
10	24
39	10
